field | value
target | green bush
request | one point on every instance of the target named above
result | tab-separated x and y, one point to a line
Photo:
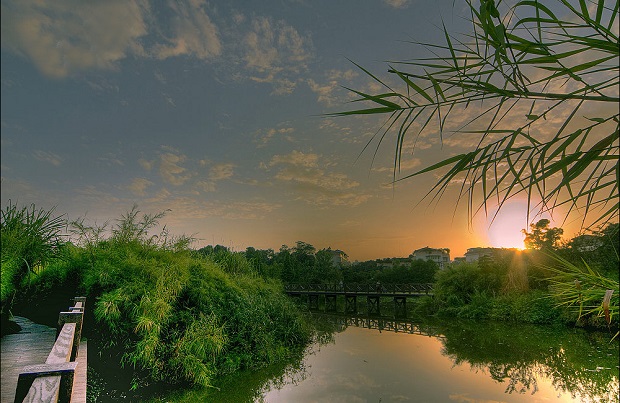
29	238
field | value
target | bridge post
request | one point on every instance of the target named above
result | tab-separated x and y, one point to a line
350	304
330	302
313	301
373	303
400	307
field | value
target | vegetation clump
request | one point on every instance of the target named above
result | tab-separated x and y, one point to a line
171	313
30	239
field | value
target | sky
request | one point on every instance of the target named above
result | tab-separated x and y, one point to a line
217	112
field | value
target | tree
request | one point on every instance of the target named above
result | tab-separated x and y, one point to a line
540	91
542	237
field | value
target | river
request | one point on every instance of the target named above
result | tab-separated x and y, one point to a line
381	360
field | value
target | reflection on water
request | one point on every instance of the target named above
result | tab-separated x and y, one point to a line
378	359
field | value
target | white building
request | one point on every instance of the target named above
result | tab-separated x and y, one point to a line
440	256
339	257
474	254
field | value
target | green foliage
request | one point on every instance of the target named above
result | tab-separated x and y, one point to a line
542	237
585	291
461	282
540	93
176	315
29	238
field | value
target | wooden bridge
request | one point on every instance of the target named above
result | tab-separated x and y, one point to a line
381	324
373	293
40	364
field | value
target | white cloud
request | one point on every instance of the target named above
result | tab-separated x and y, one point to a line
206	186
327	92
221	171
273	49
193	33
295	158
63	37
48	157
397	3
264	136
313	184
405	165
145	164
170	170
138	186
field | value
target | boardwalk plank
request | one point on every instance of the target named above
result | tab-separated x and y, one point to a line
31	346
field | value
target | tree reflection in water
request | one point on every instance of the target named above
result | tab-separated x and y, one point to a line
575	362
585	365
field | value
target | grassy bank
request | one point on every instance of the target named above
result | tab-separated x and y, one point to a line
159	308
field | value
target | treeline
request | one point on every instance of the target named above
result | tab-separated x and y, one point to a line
553	281
303	264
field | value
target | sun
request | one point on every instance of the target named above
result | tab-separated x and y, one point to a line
504	228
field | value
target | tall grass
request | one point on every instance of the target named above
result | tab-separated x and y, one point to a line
585	291
175	315
29	238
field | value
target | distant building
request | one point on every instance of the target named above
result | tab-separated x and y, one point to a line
440	256
586	243
474	254
393	262
339	257
459	260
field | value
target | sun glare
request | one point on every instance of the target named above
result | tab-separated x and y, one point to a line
504	229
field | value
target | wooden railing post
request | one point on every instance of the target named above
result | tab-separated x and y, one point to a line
53	381
72	317
30	373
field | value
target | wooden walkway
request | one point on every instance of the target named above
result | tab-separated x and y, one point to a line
32	346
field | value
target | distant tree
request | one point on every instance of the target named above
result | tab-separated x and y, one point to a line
210	250
598	249
325	271
542	237
304	253
423	271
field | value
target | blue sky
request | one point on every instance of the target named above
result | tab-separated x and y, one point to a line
214	110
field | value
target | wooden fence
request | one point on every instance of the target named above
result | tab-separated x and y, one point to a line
53	380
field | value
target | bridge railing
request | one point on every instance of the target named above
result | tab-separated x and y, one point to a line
355	288
53	381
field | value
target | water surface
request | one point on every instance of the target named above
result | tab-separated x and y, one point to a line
379	360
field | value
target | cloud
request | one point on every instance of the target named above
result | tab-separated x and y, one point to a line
264	136
217	173
221	171
295	158
191	209
405	165
328	91
274	46
397	3
273	51
48	157
193	33
139	185
170	170
64	37
312	183
147	165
